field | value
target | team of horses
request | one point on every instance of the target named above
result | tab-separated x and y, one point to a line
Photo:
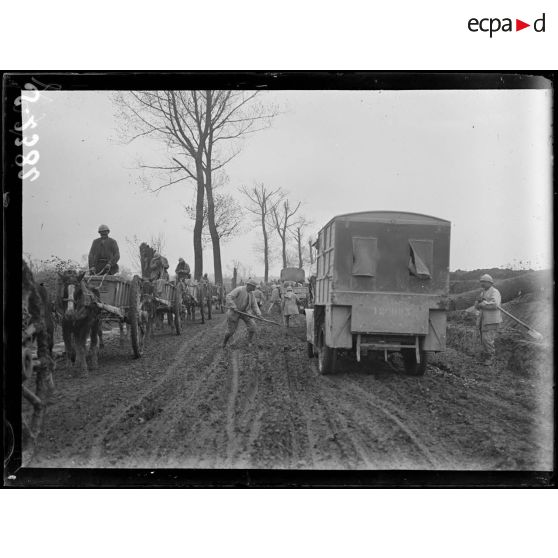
76	308
79	310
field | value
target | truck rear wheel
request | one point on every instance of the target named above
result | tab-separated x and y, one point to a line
327	356
412	367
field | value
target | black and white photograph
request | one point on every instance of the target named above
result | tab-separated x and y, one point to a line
284	273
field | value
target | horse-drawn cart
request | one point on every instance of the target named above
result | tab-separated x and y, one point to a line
123	301
165	298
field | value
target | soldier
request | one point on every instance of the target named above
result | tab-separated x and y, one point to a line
182	270
158	267
259	296
490	317
275	297
104	253
289	306
242	299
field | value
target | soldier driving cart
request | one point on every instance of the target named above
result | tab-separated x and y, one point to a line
104	254
158	267
182	270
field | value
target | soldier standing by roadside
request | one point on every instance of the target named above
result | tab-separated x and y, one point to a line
489	319
242	299
104	253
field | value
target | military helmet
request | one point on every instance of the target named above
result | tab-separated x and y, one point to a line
103	228
486	278
251	282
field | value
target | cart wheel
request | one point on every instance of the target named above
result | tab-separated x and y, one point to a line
310	349
137	328
412	367
327	356
177	310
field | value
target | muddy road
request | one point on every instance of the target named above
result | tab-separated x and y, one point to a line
189	403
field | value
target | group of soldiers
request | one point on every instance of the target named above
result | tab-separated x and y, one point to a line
247	301
104	256
243	303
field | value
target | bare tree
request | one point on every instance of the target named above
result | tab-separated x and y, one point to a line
311	241
261	202
228	218
200	129
298	232
282	216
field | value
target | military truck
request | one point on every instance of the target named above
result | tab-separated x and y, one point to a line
382	285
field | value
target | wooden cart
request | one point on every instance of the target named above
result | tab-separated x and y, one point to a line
166	298
123	301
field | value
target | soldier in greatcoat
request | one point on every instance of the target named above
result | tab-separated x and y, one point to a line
104	253
489	319
182	270
289	306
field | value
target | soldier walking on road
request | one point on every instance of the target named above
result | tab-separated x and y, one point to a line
104	253
242	299
289	306
489	319
275	297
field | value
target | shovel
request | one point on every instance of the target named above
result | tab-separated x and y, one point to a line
532	333
258	318
291	333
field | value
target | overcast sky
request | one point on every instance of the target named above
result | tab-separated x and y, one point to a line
480	159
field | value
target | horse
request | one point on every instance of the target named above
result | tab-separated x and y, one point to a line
81	317
219	295
194	295
37	328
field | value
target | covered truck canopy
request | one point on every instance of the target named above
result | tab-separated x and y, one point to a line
292	274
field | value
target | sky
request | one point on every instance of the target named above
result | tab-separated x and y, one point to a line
480	159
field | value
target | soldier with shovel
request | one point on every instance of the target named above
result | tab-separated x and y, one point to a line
240	301
490	318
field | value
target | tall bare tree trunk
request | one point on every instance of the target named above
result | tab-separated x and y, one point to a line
266	250
284	249
198	226
299	244
215	240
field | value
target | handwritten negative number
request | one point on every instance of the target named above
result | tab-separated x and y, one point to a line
27	97
30	123
24	175
27	142
32	158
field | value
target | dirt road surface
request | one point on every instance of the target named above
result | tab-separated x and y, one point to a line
189	403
